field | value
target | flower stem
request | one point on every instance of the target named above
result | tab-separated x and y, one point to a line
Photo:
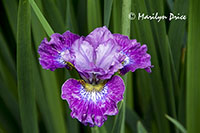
126	9
94	129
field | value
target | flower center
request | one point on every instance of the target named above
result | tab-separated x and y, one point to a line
93	95
126	61
90	87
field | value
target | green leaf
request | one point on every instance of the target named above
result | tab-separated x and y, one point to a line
37	83
193	73
117	15
6	55
24	71
72	124
1	129
182	97
142	31
170	4
50	101
160	38
119	122
41	100
141	128
129	96
71	21
56	21
7	67
176	123
143	90
42	19
93	14
61	4
126	22
107	11
96	129
7	122
11	11
132	119
179	87
53	16
177	31
9	100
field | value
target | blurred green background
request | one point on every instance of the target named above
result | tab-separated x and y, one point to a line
165	101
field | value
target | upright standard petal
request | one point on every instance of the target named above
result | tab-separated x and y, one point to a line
99	36
56	53
97	54
91	104
84	55
133	55
107	59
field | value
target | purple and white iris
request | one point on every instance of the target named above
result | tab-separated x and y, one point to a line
97	57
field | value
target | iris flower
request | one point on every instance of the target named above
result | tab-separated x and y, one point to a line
98	58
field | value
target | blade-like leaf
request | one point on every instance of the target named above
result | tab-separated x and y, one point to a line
6	55
93	14
182	97
72	124
170	4
117	15
54	118
6	120
126	8
24	72
11	11
40	94
9	100
7	67
129	93
53	16
61	4
107	11
41	99
96	129
42	19
118	123
143	90
132	119
70	21
193	72
144	34
160	38
179	87
54	100
176	32
176	123
141	128
81	13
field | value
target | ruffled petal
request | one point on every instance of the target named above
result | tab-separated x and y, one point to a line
92	107
55	53
84	55
133	55
70	38
99	36
97	54
106	59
